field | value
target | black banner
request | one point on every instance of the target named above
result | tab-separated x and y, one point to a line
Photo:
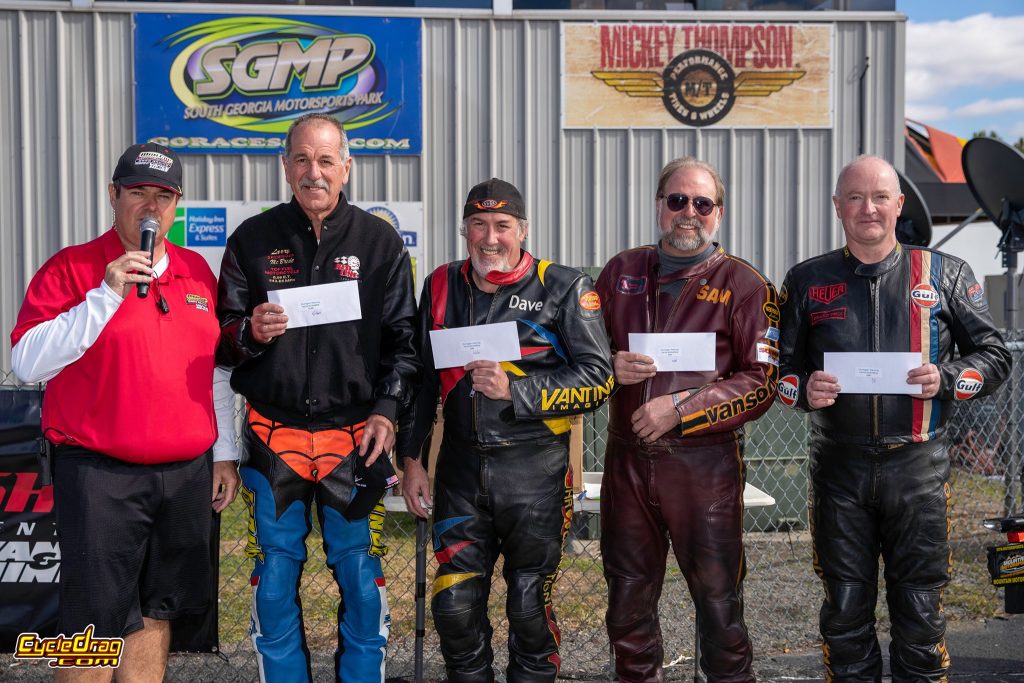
29	552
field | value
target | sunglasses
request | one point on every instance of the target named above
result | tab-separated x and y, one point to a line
677	202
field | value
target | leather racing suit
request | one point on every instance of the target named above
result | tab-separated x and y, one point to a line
309	394
503	482
689	483
879	466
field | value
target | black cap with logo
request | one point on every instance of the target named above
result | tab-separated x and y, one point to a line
370	483
149	164
495	196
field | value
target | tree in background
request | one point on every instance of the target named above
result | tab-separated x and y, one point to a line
1019	145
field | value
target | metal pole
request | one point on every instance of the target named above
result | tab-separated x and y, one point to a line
421	597
1013	463
698	675
967	221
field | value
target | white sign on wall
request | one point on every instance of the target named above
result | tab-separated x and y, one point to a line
204	226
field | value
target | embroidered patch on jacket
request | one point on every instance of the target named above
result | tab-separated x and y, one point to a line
281	268
924	295
200	302
631	285
713	295
590	301
826	294
968	383
766	353
818	317
789	390
347	266
975	293
783	295
772	333
771	311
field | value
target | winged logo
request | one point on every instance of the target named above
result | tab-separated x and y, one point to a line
651	83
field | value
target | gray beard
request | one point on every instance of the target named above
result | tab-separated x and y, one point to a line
688	241
691	240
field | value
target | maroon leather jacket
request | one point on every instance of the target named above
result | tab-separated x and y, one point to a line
722	294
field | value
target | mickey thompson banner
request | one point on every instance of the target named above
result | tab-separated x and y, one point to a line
728	75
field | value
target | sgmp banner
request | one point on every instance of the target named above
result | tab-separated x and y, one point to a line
221	84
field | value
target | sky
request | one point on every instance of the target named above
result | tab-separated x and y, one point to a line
965	65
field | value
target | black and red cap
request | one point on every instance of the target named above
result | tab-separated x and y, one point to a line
495	196
149	164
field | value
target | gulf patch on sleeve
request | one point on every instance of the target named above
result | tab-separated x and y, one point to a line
789	390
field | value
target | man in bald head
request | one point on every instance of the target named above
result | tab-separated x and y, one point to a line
879	464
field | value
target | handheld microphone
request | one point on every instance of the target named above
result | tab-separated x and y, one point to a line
147	232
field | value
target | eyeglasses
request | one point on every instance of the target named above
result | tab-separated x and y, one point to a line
677	202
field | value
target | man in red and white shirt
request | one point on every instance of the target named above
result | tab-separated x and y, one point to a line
129	405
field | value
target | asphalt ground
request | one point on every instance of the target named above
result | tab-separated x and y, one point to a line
983	651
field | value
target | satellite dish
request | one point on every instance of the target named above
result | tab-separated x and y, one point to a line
914	226
995	174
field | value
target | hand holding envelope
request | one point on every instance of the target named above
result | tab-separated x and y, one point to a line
872	373
631	367
267	322
479	349
319	304
676	351
456	347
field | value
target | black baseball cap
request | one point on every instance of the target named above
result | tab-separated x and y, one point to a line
495	196
370	483
149	164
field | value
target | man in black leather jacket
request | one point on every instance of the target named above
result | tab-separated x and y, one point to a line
322	400
503	480
879	466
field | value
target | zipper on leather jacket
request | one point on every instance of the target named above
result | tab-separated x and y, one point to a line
472	394
874	346
474	397
652	316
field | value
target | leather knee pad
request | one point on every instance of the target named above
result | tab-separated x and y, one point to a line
459	609
633	628
918	650
916	615
277	579
527	618
630	602
848	606
722	628
275	593
364	601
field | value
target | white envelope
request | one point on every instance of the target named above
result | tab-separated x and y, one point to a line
319	304
457	346
678	351
873	373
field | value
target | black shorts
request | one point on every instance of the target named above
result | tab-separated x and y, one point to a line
134	540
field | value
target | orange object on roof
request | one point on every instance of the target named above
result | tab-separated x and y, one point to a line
942	150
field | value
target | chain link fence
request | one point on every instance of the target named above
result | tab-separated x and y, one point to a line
782	593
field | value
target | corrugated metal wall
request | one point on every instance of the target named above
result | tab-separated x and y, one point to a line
491	107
